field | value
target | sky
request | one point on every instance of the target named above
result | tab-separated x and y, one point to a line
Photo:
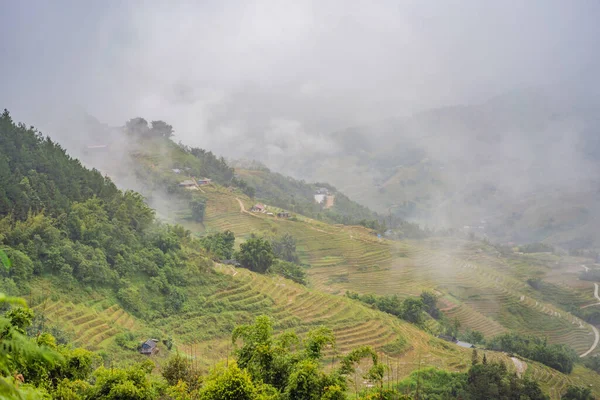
225	72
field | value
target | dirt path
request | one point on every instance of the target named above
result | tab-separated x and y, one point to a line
595	341
521	366
242	208
596	296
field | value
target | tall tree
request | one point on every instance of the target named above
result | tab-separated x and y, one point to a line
256	254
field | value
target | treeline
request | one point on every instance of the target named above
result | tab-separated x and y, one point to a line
37	175
410	309
62	220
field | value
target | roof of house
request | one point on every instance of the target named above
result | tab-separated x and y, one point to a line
187	182
204	179
464	344
258	205
151	343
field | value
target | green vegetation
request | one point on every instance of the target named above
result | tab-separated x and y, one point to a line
411	309
536	248
593	363
284	248
256	254
482	381
578	393
557	356
289	270
220	244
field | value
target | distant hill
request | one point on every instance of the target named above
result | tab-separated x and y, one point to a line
520	167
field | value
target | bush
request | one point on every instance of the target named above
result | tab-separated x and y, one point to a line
289	270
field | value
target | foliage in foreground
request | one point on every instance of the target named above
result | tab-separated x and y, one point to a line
482	381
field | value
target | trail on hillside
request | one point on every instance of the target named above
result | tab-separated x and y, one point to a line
595	342
596	296
243	209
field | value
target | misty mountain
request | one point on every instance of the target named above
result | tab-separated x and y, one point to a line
520	167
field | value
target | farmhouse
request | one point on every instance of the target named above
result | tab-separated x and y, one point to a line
283	214
204	181
465	344
258	207
149	347
188	184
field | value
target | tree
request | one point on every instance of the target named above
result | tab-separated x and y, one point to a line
219	244
430	301
198	207
229	383
256	254
289	270
285	248
578	393
161	128
179	368
412	309
137	126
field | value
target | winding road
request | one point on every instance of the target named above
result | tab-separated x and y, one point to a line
593	327
596	296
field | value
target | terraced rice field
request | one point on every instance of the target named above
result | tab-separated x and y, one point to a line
487	298
91	323
295	307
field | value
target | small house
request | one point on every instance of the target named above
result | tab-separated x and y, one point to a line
465	344
283	214
258	207
270	214
204	181
149	347
188	184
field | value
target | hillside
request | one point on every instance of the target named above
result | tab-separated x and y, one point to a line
167	287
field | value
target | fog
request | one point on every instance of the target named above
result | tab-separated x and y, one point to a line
282	81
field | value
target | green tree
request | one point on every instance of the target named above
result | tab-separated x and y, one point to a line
284	248
430	302
229	383
412	309
161	128
219	244
179	368
198	208
256	254
577	393
289	270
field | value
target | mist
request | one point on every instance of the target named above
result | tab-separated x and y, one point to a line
285	83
